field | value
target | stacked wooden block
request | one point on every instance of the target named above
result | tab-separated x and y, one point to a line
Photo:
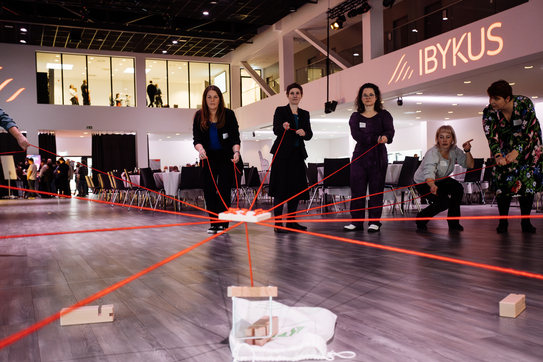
261	328
512	305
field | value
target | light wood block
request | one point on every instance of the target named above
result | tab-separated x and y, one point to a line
88	314
261	328
244	215
252	292
512	305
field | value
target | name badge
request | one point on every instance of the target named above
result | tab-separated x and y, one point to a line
517	122
362	124
444	163
224	136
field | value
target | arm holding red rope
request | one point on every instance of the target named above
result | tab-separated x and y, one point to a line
9	125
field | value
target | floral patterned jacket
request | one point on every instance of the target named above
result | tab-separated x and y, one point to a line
523	134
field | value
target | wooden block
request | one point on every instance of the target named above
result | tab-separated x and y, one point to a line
88	314
512	305
252	292
261	328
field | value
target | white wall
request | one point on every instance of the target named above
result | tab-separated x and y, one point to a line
173	153
74	146
465	129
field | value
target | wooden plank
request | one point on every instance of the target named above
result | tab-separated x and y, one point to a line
252	292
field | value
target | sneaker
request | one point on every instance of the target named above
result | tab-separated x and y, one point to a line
212	229
373	228
352	227
221	229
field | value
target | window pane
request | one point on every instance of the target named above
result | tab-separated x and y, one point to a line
199	80
250	90
178	86
220	76
123	81
49	78
74	70
156	72
99	80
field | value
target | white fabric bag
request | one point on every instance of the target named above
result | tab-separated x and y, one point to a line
303	333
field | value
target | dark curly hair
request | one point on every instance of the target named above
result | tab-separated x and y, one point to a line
378	106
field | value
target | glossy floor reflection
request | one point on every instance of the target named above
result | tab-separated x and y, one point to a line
390	306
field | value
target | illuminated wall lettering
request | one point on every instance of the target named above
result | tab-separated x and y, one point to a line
16	94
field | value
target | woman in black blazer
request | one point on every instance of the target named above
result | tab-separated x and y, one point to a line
216	138
288	175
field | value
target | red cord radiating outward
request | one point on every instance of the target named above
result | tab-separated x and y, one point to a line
17	336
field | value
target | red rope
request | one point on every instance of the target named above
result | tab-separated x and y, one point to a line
424	255
17	336
214	183
10	152
249	254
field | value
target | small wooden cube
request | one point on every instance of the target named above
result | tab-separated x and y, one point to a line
88	314
512	305
261	328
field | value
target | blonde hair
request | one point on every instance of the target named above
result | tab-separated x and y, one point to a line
445	129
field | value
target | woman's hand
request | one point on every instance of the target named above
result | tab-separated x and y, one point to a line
202	154
511	156
466	146
433	190
300	132
236	157
286	125
382	139
500	160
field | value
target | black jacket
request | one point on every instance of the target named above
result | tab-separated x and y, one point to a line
228	134
282	115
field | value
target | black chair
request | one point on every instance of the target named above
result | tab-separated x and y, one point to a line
409	167
474	177
190	184
90	184
312	172
337	178
252	183
237	181
118	187
147	181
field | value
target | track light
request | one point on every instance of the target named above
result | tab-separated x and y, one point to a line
400	101
330	106
364	8
444	15
338	24
387	3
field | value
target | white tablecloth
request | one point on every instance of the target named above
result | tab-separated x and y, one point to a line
393	173
169	181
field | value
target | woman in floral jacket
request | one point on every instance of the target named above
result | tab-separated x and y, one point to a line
514	138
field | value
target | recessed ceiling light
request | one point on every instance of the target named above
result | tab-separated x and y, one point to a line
174	41
23	30
414	30
206	13
85	132
177	134
419	103
417	117
356	55
467	81
164	51
168	137
511	84
534	97
454	104
419	111
410	124
160	139
419	92
446	117
460	94
23	41
81	136
528	67
450	112
349	109
480	112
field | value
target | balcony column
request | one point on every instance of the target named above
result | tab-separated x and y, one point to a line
373	39
286	62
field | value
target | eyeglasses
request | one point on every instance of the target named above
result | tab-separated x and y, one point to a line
371	95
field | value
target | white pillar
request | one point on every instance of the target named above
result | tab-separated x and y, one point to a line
286	62
235	86
373	44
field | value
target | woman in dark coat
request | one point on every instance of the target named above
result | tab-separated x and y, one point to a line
514	137
288	175
370	125
216	138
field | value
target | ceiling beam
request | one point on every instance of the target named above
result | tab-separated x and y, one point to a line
258	79
336	58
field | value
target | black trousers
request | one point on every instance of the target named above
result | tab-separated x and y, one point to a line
223	173
449	196
525	201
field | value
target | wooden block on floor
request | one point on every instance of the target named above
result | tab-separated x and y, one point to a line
512	305
252	292
88	314
261	328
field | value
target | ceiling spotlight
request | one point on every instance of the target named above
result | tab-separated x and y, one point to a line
23	41
174	41
387	3
364	8
338	24
444	15
164	51
330	106
292	9
352	13
23	30
400	101
206	13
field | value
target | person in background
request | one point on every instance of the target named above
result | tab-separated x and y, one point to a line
370	125
63	172
73	95
85	93
158	97
31	175
82	172
46	174
151	92
288	176
216	137
438	162
7	123
514	137
118	100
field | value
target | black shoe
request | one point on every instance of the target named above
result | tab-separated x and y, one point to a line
212	229
421	225
457	227
295	225
502	227
280	231
221	229
529	228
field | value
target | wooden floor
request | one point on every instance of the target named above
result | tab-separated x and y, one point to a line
390	306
